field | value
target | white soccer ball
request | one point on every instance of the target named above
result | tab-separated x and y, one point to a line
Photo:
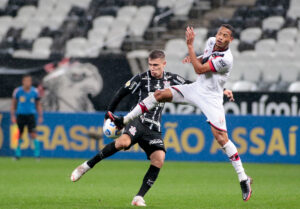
110	129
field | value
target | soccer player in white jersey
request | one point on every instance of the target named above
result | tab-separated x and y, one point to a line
213	69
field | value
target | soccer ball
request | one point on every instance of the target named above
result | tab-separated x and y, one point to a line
110	129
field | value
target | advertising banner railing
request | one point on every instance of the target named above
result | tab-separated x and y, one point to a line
267	139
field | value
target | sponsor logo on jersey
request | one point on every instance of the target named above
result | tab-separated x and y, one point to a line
222	63
132	130
22	99
180	79
155	141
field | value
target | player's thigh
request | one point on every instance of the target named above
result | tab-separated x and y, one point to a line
157	158
150	142
123	141
212	108
31	124
134	130
220	136
21	122
182	93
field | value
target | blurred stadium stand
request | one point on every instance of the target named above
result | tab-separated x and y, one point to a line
266	46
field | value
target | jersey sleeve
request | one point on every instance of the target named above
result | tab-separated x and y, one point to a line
36	94
178	80
220	64
15	93
130	87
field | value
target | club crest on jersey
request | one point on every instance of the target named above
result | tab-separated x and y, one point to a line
132	130
157	86
167	84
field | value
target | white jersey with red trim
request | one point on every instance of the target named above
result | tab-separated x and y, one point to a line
221	63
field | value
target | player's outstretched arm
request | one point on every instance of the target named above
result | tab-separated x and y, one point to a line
198	66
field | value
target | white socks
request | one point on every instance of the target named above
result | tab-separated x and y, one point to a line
231	151
147	104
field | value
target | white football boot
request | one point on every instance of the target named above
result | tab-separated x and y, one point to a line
79	171
138	201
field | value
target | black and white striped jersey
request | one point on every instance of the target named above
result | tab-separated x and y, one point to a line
142	85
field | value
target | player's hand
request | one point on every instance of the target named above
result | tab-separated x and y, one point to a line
40	120
187	59
13	119
189	36
106	116
229	95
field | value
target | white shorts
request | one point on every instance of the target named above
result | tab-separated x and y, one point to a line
211	106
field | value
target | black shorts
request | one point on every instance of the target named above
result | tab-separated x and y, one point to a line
26	120
150	141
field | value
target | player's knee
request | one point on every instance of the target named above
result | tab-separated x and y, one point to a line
157	163
122	143
33	135
158	95
221	138
162	95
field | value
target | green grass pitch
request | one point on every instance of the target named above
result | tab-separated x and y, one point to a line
112	184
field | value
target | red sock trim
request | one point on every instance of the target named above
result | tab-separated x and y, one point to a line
143	107
235	157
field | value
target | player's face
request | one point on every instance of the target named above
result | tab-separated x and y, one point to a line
156	67
27	82
223	37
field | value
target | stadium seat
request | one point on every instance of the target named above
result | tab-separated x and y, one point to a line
178	68
138	27
76	47
3	4
127	11
146	10
165	3
97	34
103	21
21	53
287	34
244	86
252	72
294	87
5	23
82	3
31	32
273	23
182	7
236	73
116	37
290	74
41	48
138	61
251	35
27	11
176	47
271	71
294	9
265	45
285	47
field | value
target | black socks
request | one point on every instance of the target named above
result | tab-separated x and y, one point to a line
107	151
148	180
